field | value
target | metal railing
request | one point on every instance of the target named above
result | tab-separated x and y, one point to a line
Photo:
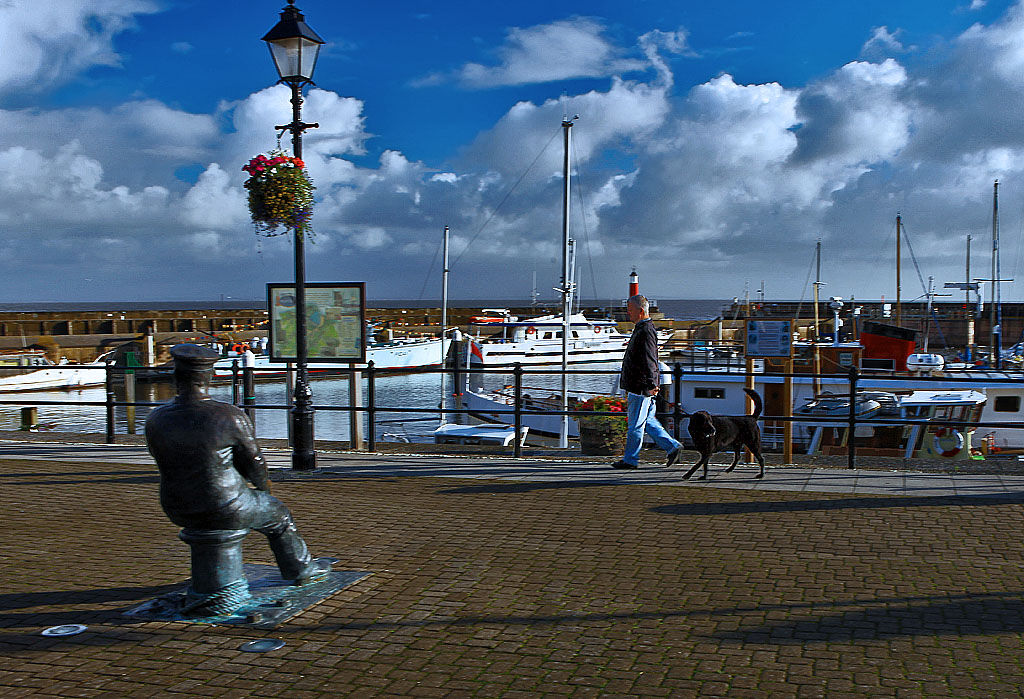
243	379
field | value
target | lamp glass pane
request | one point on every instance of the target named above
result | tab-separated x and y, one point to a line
308	55
295	57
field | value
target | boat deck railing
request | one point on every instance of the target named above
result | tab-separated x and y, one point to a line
123	380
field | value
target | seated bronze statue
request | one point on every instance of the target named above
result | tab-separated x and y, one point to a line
208	456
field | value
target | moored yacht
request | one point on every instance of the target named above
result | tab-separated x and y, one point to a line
538	341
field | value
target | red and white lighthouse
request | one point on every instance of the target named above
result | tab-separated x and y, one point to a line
634	284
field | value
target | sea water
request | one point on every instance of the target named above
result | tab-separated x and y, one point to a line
392	393
395	391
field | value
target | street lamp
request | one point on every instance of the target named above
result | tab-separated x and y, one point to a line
294	48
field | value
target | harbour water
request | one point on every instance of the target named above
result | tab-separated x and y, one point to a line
422	390
408	390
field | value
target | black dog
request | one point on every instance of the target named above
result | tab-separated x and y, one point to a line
714	433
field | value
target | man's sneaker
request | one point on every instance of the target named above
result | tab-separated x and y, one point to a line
623	464
673	457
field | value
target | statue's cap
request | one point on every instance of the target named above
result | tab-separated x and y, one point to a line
191	357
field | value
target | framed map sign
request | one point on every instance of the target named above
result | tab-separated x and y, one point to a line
335	322
769	338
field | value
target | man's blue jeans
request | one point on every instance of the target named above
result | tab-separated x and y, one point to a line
640	412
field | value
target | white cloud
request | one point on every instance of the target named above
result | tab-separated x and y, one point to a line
883	41
562	50
213	202
46	43
702	186
182	47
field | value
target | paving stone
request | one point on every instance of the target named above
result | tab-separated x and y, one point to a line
574	585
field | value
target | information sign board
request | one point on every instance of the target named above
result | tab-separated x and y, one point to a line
769	338
335	322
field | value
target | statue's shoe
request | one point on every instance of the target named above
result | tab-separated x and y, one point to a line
316	571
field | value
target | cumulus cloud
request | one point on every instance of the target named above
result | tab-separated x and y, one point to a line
702	186
45	43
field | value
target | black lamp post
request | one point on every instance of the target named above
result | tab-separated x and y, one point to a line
294	48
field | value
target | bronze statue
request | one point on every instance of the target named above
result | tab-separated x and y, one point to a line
207	455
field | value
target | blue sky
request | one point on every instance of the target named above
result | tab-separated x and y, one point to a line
716	143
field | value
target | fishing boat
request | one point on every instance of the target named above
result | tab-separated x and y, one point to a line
941	440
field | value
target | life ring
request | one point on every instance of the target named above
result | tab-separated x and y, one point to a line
597	329
531	330
947	442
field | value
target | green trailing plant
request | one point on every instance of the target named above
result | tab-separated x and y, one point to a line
280	194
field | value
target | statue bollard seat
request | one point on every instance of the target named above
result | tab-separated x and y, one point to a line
218	585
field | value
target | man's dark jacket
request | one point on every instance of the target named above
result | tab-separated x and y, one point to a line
640	369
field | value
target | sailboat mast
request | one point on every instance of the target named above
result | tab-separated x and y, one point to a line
444	313
817	286
563	435
899	266
994	330
967	304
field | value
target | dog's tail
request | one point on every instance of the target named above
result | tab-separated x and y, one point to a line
758	405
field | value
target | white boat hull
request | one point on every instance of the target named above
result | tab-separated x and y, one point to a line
54	379
392	356
482	405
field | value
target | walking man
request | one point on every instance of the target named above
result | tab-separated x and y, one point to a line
640	380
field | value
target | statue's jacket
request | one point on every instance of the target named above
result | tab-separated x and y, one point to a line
207	454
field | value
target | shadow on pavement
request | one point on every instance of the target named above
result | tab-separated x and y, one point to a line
26	600
840	502
939	615
954	616
521	487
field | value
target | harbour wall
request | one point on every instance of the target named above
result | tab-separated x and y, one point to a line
80	335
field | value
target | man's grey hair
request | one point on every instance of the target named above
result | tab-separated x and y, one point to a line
641	302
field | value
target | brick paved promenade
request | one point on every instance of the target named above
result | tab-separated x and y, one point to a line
494	578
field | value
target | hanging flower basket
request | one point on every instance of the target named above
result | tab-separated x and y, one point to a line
602	435
280	194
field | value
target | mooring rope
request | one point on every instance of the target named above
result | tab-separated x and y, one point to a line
221	602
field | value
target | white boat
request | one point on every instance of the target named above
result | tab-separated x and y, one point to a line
482	405
538	341
55	378
838	405
394	355
502	435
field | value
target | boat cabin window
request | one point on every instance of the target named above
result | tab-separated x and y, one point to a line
548	336
575	334
703	392
1007	404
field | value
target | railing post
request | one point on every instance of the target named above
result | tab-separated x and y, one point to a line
851	449
355	394
234	383
517	422
110	402
677	390
371	407
129	397
249	385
